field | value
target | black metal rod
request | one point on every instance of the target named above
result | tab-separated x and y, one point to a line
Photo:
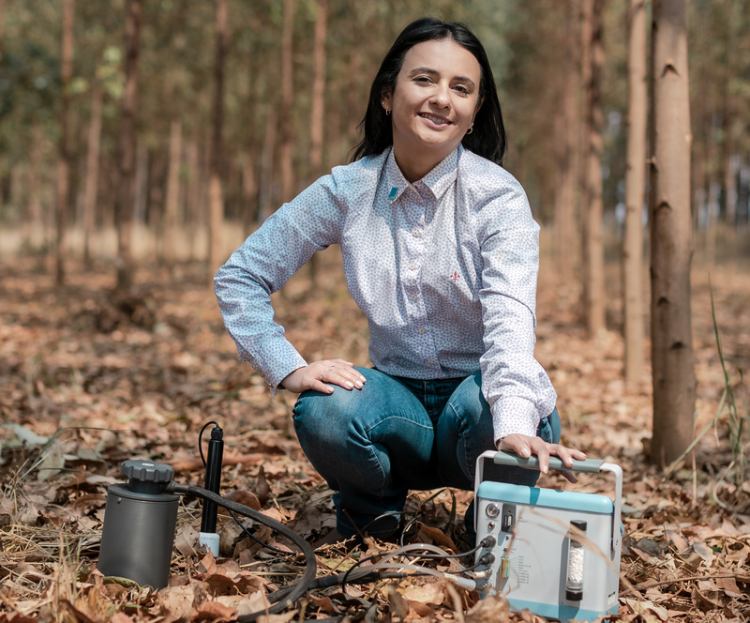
213	478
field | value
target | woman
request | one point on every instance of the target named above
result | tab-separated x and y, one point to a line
441	254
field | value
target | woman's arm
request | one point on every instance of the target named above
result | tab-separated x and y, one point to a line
263	264
513	382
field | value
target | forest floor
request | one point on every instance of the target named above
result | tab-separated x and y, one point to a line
90	379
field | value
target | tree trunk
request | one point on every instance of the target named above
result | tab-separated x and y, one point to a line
35	236
266	167
730	162
124	197
318	92
287	97
593	238
172	202
712	213
635	175
316	115
565	217
63	164
141	190
250	187
731	167
671	340
194	189
3	7
215	195
355	114
92	172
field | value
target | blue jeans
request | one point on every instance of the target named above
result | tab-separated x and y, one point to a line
395	434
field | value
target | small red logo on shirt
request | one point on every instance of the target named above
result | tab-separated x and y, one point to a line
455	276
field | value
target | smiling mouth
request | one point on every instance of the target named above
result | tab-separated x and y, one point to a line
435	118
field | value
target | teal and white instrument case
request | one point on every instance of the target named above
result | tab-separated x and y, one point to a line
556	553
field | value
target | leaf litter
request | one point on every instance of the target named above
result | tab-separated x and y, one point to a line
91	379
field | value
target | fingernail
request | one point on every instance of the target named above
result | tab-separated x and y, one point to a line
349	384
525	453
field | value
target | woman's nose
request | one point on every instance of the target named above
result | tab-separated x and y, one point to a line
441	96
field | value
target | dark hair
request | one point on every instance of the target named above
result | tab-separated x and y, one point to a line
487	139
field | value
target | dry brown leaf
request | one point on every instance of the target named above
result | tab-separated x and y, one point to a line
436	535
647	558
428	593
262	488
213	611
17	617
257	602
176	602
244	497
284	617
730	588
186	540
324	603
704	551
659	611
492	609
418	610
397	605
678	541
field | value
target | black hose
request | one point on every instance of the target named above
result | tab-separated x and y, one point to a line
301	587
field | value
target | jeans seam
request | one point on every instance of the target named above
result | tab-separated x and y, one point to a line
374	455
461	437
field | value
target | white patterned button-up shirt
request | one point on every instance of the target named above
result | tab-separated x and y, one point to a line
444	269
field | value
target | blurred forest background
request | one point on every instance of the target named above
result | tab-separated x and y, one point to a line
142	140
278	130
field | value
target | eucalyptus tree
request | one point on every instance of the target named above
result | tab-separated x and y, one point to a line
672	364
632	264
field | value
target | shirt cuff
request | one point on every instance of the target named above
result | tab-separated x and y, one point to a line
514	415
289	360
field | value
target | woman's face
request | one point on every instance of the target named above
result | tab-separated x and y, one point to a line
434	102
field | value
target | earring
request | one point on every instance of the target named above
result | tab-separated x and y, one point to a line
387	112
471	129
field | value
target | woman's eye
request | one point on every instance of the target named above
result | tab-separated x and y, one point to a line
424	79
462	89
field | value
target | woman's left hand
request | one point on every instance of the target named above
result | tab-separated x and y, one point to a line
526	446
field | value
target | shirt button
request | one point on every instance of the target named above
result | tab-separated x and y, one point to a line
422	329
413	297
412	266
416	233
430	363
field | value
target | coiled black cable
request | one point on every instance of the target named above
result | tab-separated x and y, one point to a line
308	576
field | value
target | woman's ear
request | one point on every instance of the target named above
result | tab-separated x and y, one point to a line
386	102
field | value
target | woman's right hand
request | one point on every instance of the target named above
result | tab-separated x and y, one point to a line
319	375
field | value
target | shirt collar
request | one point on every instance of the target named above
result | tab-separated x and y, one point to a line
438	180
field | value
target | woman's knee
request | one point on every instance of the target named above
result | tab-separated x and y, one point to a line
323	417
330	418
467	410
